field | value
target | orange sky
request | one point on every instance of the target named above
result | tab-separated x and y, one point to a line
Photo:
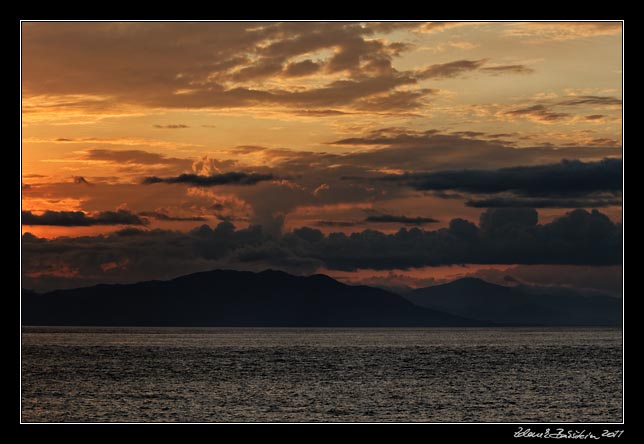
317	111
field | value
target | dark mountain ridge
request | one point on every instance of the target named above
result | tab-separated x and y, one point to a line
232	298
520	305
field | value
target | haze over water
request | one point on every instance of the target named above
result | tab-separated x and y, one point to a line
321	375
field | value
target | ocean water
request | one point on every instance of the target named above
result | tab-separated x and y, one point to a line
321	375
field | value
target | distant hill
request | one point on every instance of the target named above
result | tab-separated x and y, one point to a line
521	305
232	298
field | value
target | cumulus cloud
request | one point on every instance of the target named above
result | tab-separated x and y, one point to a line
231	178
503	236
80	219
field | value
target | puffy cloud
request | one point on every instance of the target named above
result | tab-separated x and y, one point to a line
80	219
504	236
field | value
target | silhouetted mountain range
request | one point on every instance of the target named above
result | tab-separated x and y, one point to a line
232	298
521	305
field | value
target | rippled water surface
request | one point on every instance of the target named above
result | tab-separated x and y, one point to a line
321	375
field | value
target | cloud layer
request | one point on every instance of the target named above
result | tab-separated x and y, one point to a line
567	178
226	65
80	219
389	218
503	236
231	178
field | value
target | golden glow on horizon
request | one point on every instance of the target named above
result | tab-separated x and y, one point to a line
114	103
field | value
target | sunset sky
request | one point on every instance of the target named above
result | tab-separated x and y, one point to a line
437	149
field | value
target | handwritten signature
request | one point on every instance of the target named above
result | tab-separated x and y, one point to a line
566	434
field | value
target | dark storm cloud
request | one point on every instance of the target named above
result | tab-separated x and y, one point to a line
166	217
171	126
231	178
513	201
538	112
503	236
592	100
567	178
389	218
594	117
80	219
